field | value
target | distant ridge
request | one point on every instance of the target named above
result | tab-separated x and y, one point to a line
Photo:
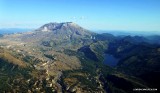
14	30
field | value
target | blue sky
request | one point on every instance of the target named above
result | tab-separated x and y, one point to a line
130	15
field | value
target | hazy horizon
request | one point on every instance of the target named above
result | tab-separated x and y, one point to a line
113	32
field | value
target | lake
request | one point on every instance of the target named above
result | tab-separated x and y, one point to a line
110	60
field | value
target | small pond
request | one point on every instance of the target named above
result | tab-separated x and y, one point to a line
110	60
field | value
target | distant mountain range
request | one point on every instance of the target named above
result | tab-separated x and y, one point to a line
131	33
14	30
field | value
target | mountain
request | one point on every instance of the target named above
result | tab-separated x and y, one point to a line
66	58
137	58
142	61
131	33
153	39
11	69
58	35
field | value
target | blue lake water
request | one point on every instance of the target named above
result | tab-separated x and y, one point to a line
110	60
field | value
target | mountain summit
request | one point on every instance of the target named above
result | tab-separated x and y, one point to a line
64	28
55	25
